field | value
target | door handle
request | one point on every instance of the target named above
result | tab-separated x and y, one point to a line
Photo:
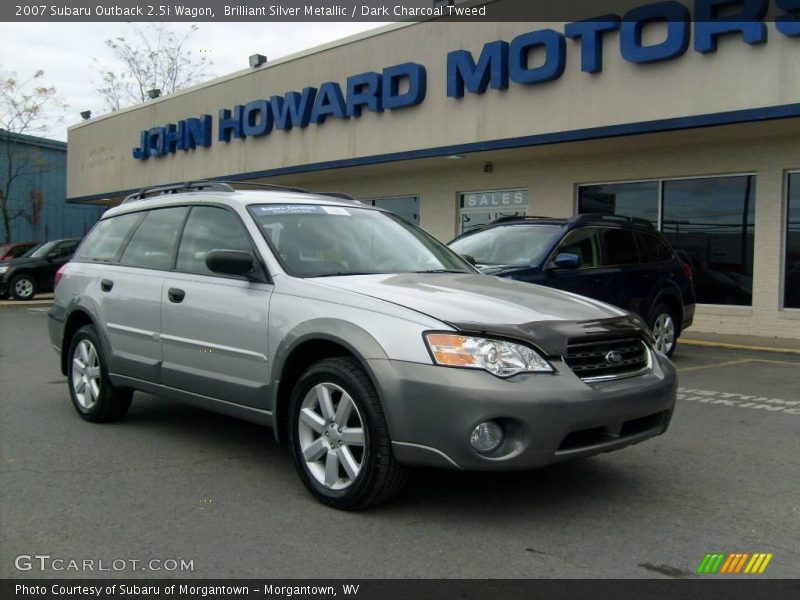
175	295
106	285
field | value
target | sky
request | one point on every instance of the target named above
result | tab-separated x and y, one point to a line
65	51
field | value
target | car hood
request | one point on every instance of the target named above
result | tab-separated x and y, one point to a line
473	298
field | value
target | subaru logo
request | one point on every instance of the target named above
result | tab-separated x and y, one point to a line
614	357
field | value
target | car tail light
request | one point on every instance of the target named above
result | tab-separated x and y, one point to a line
687	270
59	275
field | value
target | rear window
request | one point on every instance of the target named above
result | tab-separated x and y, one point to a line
620	247
105	240
653	248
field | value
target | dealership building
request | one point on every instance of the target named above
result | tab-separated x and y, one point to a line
694	126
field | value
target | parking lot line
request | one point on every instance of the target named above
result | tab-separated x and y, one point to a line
714	365
785	363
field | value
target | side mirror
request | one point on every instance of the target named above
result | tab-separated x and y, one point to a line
470	259
566	260
231	262
53	254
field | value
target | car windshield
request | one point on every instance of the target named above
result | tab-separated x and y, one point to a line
40	250
509	245
325	241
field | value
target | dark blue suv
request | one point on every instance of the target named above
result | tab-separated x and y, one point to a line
619	260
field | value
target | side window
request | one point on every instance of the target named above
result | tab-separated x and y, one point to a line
68	248
620	247
153	244
652	248
105	241
585	244
209	228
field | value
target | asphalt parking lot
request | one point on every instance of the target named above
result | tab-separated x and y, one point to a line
173	482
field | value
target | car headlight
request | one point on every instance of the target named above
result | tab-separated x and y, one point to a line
498	357
4	269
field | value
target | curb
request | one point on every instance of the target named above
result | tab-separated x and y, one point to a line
729	346
23	304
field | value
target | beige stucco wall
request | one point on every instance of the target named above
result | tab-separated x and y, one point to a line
738	76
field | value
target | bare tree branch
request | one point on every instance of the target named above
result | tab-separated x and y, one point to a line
27	107
155	56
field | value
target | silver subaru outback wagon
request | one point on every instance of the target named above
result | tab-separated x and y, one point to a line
367	345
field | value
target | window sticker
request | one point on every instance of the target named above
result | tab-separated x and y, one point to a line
288	209
336	210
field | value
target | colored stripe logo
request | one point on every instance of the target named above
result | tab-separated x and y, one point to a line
734	563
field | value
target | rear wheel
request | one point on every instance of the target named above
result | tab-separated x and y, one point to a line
340	443
23	287
93	395
665	329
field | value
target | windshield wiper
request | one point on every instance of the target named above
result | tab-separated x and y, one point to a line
440	271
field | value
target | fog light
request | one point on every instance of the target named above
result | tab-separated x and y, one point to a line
486	437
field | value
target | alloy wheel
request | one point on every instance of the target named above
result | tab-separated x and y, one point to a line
86	374
664	333
331	435
23	288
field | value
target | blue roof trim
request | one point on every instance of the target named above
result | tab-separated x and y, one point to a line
769	113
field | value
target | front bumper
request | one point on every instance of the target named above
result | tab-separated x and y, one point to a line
431	411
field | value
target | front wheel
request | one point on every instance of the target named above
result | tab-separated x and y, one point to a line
340	443
23	287
665	329
93	395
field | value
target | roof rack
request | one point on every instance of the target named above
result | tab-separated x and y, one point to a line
524	218
341	195
272	186
189	186
589	217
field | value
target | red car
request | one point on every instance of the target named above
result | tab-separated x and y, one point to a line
12	251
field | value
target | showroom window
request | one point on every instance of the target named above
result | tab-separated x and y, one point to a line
479	208
791	280
639	199
710	221
405	207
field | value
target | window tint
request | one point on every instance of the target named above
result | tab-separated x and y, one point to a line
209	228
153	244
67	248
620	247
105	241
583	243
652	248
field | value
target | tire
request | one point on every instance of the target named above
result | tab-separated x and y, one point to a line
339	467
92	393
23	287
664	326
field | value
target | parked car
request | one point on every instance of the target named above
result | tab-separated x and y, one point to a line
34	273
15	249
619	260
365	343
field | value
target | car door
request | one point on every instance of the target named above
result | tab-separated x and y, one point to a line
590	278
129	291
631	280
214	327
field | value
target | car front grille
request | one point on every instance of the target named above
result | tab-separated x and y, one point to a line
607	358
